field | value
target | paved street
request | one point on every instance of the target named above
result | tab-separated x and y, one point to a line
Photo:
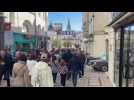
90	79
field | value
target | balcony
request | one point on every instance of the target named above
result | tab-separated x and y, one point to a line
117	15
122	19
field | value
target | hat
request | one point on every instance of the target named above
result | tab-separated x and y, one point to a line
44	56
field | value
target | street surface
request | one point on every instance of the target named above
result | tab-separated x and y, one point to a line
90	79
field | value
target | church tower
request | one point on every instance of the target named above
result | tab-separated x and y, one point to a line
68	26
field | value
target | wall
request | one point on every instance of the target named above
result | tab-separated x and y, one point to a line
99	48
101	19
97	27
111	38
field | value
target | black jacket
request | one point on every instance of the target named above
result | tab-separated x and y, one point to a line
8	61
75	63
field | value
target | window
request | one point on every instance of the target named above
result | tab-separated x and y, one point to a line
27	27
12	17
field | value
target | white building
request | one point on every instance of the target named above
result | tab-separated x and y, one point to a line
28	24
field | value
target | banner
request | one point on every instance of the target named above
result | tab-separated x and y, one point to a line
8	39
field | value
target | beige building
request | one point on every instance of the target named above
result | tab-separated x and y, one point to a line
103	44
96	23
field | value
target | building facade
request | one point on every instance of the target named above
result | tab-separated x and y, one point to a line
122	62
85	27
27	28
95	27
65	39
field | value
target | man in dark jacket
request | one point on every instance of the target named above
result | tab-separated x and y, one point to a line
75	67
83	58
67	57
8	67
7	59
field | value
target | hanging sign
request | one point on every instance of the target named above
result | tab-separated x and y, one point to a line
8	39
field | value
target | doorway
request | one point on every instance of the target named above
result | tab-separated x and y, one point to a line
107	49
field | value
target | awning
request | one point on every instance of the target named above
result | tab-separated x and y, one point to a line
123	20
19	38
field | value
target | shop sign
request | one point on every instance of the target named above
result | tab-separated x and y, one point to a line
8	39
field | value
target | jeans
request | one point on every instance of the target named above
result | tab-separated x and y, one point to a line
82	71
63	79
1	73
74	78
54	77
6	76
68	75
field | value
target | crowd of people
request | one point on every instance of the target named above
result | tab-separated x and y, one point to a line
40	68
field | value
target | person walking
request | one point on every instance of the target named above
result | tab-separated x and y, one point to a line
68	58
42	73
63	71
31	62
7	63
20	77
75	68
2	63
83	60
54	66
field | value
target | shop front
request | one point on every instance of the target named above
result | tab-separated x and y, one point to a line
23	42
124	51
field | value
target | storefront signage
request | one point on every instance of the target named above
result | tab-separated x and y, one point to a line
8	39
